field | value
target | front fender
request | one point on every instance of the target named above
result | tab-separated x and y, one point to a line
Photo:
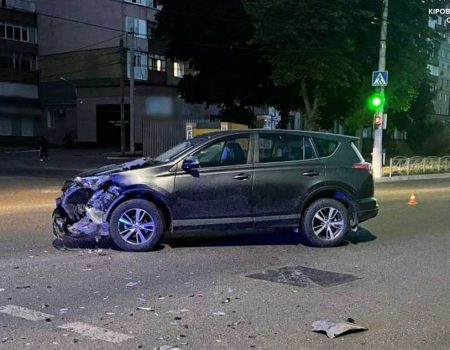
143	192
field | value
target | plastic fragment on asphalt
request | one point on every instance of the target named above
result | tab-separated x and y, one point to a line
168	347
219	313
132	284
335	329
176	312
142	308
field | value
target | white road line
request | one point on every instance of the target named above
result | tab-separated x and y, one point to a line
27	314
96	332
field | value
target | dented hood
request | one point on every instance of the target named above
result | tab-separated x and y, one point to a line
117	168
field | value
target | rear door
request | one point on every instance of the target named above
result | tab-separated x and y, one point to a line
286	167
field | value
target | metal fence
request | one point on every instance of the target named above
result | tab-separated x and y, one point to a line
159	135
418	165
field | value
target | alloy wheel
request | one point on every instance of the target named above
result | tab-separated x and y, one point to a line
328	223
136	226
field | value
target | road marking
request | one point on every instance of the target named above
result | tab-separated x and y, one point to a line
27	314
96	332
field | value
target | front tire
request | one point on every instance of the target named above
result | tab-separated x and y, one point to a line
136	225
325	223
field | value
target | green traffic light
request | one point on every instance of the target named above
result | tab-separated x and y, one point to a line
376	102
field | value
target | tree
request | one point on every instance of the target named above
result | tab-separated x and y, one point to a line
335	81
319	40
227	68
214	38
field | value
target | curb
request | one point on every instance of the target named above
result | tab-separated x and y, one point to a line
412	178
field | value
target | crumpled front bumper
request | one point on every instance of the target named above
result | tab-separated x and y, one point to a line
82	211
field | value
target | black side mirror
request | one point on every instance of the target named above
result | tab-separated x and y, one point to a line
190	163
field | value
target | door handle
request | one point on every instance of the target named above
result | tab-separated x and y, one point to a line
242	177
311	173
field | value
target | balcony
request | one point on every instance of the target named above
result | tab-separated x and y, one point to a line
7	74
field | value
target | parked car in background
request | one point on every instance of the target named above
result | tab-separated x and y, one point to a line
225	180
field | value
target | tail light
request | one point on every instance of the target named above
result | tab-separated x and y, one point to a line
363	166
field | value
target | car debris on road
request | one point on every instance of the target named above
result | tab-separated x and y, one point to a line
335	329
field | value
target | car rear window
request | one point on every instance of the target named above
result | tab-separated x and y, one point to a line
325	147
284	148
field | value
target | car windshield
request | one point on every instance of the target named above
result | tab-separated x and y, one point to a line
179	149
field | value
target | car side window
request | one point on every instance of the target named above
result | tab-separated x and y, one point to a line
231	151
284	148
325	147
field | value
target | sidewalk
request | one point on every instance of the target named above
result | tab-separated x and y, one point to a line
62	163
413	178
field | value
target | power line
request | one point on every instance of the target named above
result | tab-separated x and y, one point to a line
80	22
83	47
74	60
104	64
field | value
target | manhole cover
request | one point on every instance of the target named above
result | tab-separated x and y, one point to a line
301	276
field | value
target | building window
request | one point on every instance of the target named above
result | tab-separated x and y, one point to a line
136	26
18	62
140	65
151	29
28	127
6	128
157	63
147	3
17	32
51	119
178	69
25	5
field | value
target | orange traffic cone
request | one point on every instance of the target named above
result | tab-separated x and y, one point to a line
412	199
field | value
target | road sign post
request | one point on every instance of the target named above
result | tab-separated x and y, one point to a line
380	80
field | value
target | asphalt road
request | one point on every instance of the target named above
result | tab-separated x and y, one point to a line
194	291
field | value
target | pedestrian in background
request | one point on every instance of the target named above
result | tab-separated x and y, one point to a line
43	144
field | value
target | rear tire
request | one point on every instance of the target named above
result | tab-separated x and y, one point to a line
136	225
325	223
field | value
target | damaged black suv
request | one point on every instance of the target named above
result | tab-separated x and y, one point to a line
316	182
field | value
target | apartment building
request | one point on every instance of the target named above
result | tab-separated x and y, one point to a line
20	111
82	61
439	69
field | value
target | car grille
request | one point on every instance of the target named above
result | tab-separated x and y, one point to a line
80	196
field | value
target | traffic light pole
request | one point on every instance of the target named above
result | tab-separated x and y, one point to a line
377	154
132	49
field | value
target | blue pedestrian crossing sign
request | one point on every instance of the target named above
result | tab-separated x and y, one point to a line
380	78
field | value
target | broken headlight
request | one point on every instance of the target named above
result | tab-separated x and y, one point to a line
93	182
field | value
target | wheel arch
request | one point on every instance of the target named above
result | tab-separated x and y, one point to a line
339	193
146	194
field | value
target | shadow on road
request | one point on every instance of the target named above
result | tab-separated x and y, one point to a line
88	244
215	239
253	238
232	238
361	236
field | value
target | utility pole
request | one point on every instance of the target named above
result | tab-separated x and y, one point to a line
377	154
122	99
132	43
